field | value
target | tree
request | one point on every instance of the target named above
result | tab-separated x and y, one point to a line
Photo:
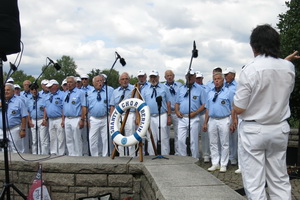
19	77
289	28
68	68
113	77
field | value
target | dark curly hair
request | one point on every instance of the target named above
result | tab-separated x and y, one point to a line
265	40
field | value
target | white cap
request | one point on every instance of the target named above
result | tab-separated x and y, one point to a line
229	70
10	80
191	72
64	82
45	82
153	73
141	73
77	79
17	86
199	74
84	76
52	82
105	76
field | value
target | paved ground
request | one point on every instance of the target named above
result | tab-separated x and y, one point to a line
235	180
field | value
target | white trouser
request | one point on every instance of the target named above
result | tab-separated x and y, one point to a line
129	130
13	135
40	140
233	146
218	130
175	129
262	153
98	129
57	137
204	139
183	125
73	136
165	138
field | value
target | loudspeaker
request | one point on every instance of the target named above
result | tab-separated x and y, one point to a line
10	29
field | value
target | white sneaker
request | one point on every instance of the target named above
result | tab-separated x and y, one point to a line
206	159
238	171
213	168
223	169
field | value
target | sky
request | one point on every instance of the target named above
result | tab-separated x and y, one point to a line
148	34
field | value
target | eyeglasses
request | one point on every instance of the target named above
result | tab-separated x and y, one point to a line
83	78
215	97
124	79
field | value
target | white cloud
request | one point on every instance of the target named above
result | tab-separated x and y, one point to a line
151	34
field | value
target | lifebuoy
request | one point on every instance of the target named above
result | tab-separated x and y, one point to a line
141	131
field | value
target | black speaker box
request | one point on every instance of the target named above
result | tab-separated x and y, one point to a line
10	30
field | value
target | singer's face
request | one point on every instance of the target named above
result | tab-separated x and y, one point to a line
26	85
53	88
154	80
218	81
190	78
98	82
71	83
124	80
142	79
169	76
9	92
33	92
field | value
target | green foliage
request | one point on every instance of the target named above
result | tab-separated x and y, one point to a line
181	81
68	68
113	77
289	28
19	77
133	80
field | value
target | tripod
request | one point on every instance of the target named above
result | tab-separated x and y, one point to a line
158	101
7	185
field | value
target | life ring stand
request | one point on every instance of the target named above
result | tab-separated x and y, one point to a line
141	131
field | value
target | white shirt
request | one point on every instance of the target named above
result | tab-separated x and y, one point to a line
264	90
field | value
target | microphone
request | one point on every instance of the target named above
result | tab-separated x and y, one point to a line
56	65
195	51
158	101
122	60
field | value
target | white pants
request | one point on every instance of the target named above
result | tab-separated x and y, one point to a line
233	146
262	154
40	140
183	125
165	138
15	141
129	130
57	137
98	129
73	136
175	129
204	139
218	130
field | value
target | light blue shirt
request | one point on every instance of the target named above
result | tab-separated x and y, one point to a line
175	86
223	104
44	94
72	108
119	95
96	108
26	94
232	85
162	91
39	112
16	110
87	88
54	104
198	98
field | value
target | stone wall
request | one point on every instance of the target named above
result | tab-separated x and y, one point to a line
66	179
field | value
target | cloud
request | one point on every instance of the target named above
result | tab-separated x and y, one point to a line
151	34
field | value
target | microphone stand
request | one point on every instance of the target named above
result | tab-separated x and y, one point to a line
159	133
4	143
34	84
194	55
106	94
